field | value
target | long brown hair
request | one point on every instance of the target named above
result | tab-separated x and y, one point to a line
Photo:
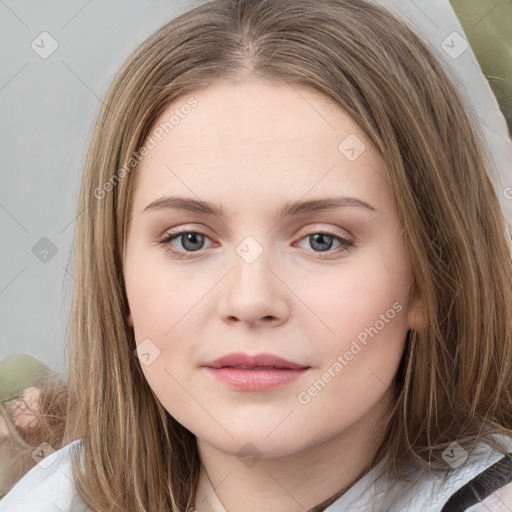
455	380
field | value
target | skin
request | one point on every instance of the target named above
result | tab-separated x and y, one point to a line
251	146
22	411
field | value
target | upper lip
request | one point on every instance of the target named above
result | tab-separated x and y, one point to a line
239	359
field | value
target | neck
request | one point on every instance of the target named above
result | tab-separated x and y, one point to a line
318	474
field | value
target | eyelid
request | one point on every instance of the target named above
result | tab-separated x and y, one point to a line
320	228
315	228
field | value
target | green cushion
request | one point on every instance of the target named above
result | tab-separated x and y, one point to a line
488	28
20	371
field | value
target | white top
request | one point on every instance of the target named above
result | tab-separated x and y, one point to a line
429	494
49	487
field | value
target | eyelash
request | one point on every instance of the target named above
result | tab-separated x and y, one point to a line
347	245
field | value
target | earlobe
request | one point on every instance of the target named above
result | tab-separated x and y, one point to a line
417	320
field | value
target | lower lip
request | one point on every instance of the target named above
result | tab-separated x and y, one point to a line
256	380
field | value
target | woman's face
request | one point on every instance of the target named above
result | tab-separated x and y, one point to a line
325	286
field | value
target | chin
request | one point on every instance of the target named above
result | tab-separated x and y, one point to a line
256	444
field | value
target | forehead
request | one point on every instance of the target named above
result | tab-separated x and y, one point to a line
258	140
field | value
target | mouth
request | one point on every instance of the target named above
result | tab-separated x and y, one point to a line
256	367
243	361
262	372
256	379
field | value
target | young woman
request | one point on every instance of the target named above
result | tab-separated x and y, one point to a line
295	283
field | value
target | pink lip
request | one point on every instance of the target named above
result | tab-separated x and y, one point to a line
251	362
255	373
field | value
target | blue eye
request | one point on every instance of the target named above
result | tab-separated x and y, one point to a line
323	242
193	241
190	241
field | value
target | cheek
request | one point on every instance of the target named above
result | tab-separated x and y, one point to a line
165	305
158	295
358	356
366	300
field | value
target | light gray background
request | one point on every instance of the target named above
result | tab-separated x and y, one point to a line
48	107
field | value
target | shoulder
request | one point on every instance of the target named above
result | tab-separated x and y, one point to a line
48	486
490	490
431	491
474	476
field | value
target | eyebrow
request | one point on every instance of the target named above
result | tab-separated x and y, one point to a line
289	209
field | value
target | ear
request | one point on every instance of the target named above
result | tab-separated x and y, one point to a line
417	316
130	320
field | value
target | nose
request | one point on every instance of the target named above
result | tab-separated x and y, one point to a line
255	293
